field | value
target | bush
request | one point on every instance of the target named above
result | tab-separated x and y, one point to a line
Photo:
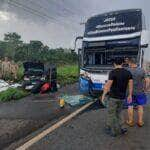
12	94
20	73
67	74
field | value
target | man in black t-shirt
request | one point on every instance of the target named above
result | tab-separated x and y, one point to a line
117	83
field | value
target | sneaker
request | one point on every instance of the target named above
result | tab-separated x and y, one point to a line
130	123
140	124
124	131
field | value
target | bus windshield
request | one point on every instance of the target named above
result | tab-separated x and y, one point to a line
104	57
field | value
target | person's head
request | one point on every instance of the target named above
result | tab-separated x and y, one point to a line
6	59
132	62
118	62
126	60
12	61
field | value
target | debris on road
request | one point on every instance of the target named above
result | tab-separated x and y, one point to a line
39	78
5	85
61	102
75	100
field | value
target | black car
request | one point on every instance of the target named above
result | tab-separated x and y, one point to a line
36	74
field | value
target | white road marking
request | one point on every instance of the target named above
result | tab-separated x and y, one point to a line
43	101
52	128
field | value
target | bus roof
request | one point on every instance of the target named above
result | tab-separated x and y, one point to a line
117	12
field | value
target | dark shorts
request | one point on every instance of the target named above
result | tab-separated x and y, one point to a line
139	99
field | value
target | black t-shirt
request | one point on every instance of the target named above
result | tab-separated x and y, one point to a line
120	77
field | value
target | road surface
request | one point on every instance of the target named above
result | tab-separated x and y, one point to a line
22	117
86	132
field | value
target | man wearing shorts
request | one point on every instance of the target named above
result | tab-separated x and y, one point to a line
139	97
119	79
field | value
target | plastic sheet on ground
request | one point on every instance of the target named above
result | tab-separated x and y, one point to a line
75	100
4	85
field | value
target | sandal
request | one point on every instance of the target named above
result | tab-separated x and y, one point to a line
130	123
140	124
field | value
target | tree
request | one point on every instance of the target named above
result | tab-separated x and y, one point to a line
2	49
13	41
21	53
12	38
13	47
35	50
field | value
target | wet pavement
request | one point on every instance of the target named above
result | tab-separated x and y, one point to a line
20	118
86	132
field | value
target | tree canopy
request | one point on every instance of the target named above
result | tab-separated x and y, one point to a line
13	47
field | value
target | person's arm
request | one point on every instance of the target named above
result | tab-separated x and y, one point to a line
106	89
130	91
107	85
145	81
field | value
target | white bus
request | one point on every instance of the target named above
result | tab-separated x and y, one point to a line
109	35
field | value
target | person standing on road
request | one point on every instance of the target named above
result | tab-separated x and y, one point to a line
119	79
139	96
14	69
6	69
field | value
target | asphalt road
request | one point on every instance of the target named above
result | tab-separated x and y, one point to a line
20	118
86	132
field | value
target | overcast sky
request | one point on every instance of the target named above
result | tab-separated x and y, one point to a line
57	22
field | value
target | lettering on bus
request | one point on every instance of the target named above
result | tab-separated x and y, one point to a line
122	22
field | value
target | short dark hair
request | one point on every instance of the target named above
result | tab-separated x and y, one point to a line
118	61
133	60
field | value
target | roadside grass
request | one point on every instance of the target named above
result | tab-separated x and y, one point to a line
67	74
20	73
12	94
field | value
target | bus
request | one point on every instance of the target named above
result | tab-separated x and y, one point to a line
107	36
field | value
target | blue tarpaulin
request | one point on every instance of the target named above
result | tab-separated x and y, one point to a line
75	100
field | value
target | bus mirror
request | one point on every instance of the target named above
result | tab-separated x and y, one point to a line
79	56
79	50
75	43
145	38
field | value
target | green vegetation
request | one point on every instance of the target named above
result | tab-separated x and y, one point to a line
67	74
13	47
12	94
20	73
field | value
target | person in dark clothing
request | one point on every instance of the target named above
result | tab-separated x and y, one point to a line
118	81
